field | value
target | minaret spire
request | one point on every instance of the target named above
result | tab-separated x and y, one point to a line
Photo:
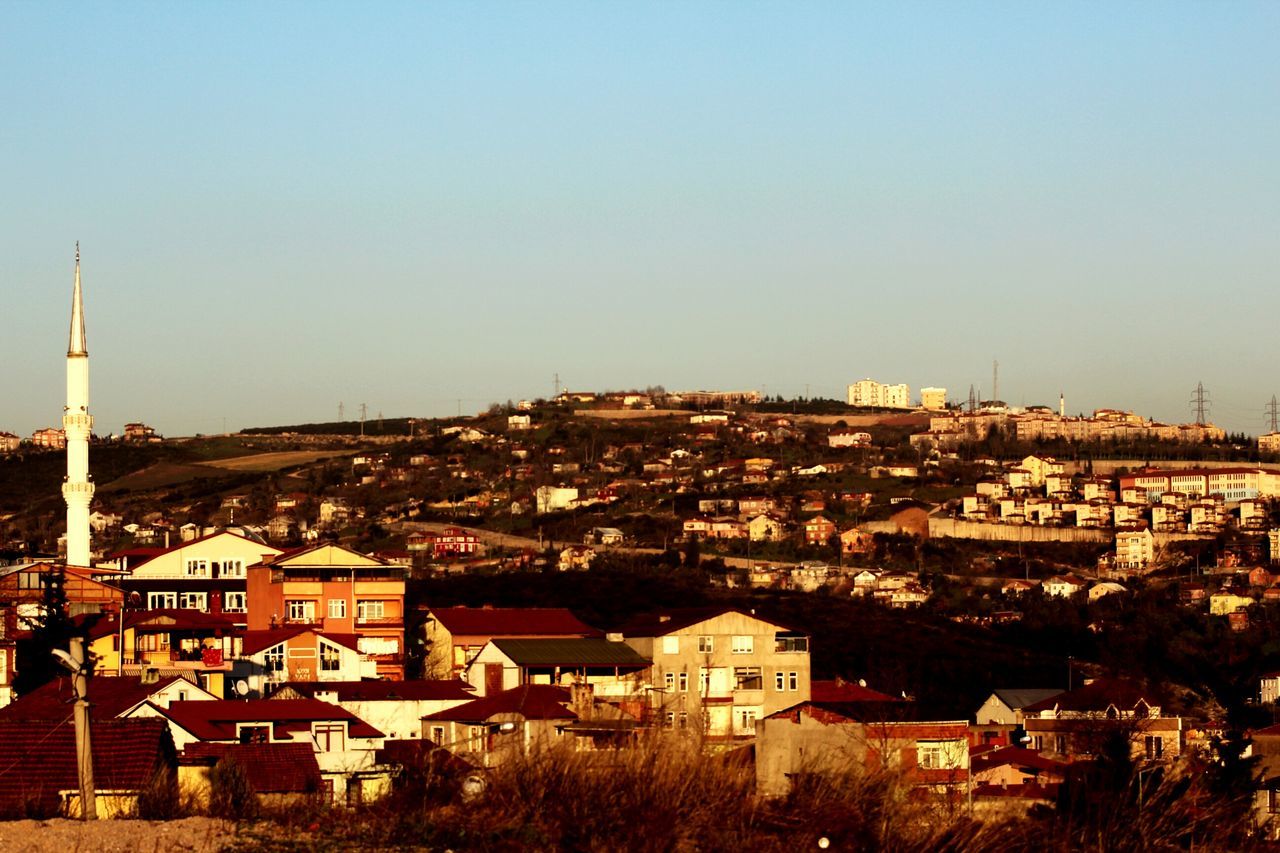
76	345
77	424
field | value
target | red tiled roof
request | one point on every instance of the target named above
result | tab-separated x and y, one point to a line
39	760
1016	756
379	691
183	620
531	701
217	720
109	696
513	621
1096	696
843	691
272	768
422	754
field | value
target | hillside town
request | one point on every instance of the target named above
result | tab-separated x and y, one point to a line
327	610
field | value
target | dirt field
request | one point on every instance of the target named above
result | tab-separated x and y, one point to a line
161	475
275	461
189	835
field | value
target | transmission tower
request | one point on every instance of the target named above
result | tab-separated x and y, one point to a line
364	410
973	400
342	411
556	385
1200	402
1273	413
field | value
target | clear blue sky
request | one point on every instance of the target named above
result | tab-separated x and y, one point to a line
286	205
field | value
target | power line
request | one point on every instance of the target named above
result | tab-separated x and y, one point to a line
1201	403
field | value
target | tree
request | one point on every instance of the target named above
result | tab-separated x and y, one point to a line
52	630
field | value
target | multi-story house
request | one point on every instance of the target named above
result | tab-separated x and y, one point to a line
1078	724
817	530
455	635
1135	548
206	574
336	590
719	670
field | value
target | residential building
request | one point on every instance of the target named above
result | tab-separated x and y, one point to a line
207	574
1135	548
455	635
337	591
871	394
1005	706
721	668
614	670
1076	724
933	399
817	531
395	708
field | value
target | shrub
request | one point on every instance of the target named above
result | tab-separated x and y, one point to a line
231	795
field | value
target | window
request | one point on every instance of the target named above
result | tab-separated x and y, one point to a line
301	611
1060	744
329	736
671	645
793	681
234	602
683	720
1155	747
366	610
745	720
29	580
684	682
231	569
255	734
337	608
747	678
197	568
194	601
790	643
669	719
437	735
742	644
1038	742
670	679
274	658
938	754
378	645
706	645
158	600
779	681
330	658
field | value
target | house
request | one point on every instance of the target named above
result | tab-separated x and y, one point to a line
1135	548
273	656
554	499
395	708
817	531
518	423
194	574
765	528
848	438
526	719
613	669
39	774
1228	600
1005	705
603	536
855	541
345	747
1063	586
110	697
22	587
338	591
820	737
456	542
169	642
283	775
576	557
1077	723
455	635
720	667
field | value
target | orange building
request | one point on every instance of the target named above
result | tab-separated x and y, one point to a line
337	591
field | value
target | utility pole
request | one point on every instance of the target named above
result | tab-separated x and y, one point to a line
556	385
1200	400
1273	413
84	747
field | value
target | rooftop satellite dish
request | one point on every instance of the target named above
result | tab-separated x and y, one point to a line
242	687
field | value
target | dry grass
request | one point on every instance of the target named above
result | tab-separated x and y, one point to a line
275	461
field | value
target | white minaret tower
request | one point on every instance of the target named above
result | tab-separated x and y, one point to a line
77	489
1062	405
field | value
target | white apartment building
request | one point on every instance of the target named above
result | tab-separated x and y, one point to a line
868	392
934	399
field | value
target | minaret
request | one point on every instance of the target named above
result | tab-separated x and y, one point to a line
1062	405
77	490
